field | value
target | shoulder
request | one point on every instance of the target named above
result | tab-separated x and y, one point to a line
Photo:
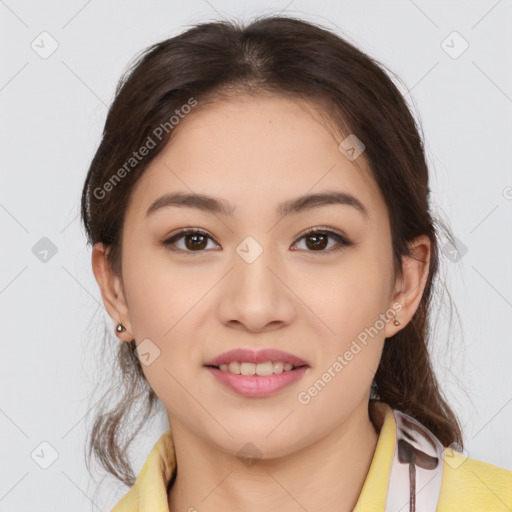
149	492
470	484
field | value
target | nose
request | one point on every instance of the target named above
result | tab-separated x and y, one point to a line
256	296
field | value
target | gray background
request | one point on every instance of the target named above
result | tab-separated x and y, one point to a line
52	112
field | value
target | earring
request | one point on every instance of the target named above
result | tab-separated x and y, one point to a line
120	328
396	322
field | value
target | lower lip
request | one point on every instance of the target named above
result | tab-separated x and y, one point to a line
257	385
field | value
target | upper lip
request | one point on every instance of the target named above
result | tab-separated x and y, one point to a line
249	356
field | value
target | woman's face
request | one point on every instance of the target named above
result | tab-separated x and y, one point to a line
253	279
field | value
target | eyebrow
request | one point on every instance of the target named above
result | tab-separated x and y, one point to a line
215	205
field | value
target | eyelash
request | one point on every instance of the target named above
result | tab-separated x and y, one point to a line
342	241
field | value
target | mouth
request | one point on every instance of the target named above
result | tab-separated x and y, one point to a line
256	386
260	369
256	374
265	360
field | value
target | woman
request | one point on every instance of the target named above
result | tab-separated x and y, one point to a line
259	214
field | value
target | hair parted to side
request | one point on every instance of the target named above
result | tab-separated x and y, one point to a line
276	55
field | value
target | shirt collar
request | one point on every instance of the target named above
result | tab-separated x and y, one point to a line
150	488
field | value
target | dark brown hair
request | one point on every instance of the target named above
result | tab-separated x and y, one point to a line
276	55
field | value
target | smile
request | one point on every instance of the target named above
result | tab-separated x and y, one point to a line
254	385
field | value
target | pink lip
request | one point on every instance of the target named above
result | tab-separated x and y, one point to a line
256	385
249	356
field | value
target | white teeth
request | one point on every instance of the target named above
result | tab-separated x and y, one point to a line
278	367
261	369
247	368
234	367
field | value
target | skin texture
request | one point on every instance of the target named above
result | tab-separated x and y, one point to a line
255	153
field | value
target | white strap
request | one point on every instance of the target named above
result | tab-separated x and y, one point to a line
416	469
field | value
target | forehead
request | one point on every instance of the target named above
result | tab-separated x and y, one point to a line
254	152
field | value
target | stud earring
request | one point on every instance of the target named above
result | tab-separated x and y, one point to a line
396	322
120	328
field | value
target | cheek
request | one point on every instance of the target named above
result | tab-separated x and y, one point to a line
160	293
165	309
351	302
350	297
350	339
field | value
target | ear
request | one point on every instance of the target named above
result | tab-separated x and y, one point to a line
409	287
111	291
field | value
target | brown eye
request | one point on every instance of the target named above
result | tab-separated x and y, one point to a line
194	241
317	240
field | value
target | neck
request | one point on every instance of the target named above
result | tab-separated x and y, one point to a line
326	475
